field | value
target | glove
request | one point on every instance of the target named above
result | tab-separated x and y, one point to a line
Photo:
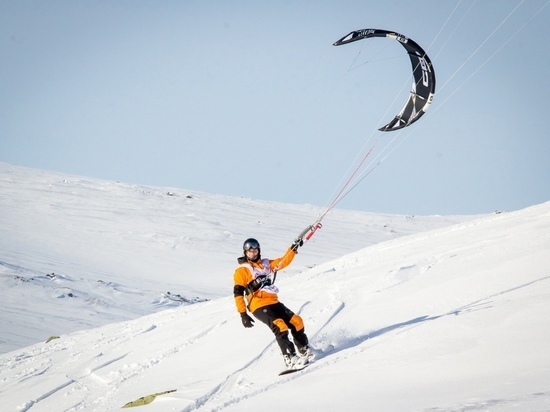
248	322
297	243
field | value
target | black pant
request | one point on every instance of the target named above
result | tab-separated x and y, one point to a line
280	320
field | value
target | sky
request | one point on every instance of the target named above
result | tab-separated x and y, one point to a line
423	313
250	98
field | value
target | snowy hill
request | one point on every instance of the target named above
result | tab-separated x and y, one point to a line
453	316
116	250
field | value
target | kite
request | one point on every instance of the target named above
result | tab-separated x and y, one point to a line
423	86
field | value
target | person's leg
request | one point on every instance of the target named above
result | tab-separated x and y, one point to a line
271	316
296	325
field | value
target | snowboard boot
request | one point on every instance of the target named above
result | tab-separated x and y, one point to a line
291	361
306	352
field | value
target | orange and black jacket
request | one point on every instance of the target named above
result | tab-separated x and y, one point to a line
246	273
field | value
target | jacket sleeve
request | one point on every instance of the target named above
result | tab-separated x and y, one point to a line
239	289
283	261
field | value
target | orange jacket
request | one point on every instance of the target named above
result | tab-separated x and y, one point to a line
264	296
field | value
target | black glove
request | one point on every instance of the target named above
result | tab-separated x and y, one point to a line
297	243
248	322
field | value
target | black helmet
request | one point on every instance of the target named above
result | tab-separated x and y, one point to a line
248	244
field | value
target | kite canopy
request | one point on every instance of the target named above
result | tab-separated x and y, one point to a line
423	86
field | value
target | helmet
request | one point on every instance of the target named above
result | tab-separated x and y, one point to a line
251	243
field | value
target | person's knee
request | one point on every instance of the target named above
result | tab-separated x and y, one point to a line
297	322
281	326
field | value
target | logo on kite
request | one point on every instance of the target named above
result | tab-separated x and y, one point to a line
423	86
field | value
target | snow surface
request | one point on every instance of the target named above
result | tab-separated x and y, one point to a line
415	313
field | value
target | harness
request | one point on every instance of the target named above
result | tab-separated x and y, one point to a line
260	275
261	281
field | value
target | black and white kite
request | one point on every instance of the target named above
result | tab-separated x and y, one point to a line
423	86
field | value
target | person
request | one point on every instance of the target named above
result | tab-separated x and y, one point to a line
254	290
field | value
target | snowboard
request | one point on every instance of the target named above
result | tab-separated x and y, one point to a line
315	353
292	370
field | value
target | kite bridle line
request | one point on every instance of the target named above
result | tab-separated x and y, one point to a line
310	230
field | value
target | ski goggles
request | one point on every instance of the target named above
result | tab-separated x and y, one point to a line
251	245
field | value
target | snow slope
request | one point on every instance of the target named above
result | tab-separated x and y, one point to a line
116	250
450	317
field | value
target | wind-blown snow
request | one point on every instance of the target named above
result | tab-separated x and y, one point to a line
408	313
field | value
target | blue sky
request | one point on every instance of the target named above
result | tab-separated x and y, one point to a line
250	98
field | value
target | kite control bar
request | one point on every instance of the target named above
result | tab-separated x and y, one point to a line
304	235
309	231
